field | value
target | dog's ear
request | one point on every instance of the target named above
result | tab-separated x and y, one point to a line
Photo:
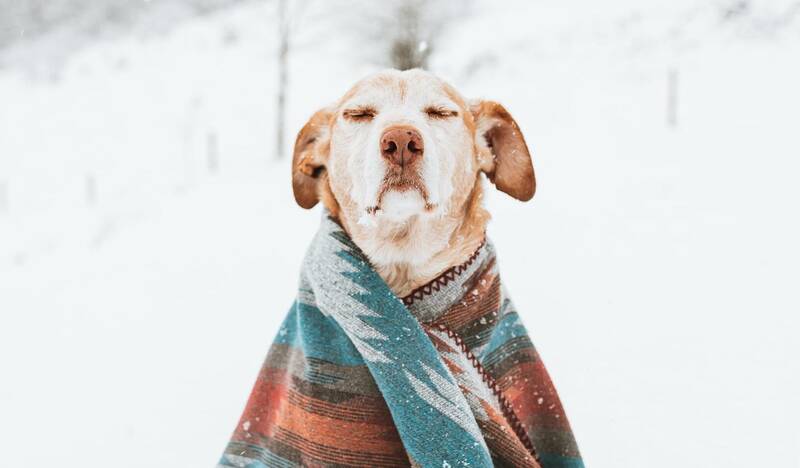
502	152
310	155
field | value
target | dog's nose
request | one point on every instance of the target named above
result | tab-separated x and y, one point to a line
401	146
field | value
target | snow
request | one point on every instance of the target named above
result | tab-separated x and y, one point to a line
656	268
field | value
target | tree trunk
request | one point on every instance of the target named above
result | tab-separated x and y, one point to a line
283	55
672	97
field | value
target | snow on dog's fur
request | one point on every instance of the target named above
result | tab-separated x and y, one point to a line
413	220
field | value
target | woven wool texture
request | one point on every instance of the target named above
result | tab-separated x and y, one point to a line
445	377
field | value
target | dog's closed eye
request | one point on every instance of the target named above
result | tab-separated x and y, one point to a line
360	114
436	112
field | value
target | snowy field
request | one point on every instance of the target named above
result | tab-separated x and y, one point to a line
150	245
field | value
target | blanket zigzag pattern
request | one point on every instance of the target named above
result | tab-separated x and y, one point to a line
508	410
358	377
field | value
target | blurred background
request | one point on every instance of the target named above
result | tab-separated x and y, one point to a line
150	244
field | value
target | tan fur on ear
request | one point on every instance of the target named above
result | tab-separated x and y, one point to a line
502	152
308	163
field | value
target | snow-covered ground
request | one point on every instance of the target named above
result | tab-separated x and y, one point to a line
657	267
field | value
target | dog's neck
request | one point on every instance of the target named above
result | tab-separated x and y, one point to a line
411	253
404	277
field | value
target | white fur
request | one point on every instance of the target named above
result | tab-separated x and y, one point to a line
367	168
399	206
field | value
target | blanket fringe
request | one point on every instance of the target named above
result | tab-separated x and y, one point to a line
442	280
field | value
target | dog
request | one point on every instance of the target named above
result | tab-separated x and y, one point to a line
402	348
398	161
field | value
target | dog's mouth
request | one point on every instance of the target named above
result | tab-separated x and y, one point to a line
401	182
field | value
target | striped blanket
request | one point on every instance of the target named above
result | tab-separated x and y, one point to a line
444	377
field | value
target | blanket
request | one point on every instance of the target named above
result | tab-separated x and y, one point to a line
444	377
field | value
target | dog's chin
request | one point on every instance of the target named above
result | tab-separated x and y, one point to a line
399	206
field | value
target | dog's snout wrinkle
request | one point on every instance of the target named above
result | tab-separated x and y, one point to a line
402	146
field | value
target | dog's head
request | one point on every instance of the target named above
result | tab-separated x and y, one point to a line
401	155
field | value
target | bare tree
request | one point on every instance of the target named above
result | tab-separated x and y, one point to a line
401	34
409	48
672	97
289	15
283	76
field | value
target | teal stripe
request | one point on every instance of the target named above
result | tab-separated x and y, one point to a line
549	460
322	338
319	337
510	326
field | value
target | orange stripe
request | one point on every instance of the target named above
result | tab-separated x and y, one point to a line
367	437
